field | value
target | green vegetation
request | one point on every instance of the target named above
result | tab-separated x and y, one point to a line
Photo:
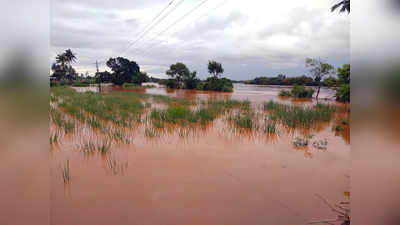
91	147
215	68
121	108
181	77
59	120
216	84
296	116
283	80
62	68
125	71
270	126
338	128
244	119
297	92
318	70
343	86
112	114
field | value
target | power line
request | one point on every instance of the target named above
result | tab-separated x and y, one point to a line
158	15
181	18
201	16
152	26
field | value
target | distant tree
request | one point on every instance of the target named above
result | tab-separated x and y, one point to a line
344	4
123	70
140	78
103	77
318	70
281	77
215	68
178	72
191	81
330	81
62	68
69	56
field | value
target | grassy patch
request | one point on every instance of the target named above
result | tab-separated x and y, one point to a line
296	116
245	120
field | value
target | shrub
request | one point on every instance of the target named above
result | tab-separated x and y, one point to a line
302	92
343	93
80	84
297	92
285	93
216	84
172	83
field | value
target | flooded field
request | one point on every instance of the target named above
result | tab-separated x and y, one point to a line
160	156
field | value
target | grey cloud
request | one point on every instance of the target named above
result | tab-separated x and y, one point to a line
97	30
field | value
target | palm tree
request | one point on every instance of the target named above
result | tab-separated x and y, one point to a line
345	6
69	56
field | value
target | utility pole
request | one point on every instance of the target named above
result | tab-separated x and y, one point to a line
97	66
97	69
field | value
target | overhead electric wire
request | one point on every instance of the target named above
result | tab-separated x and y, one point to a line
154	19
155	24
181	18
201	16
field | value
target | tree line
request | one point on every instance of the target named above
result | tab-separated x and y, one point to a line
321	74
125	71
182	78
122	71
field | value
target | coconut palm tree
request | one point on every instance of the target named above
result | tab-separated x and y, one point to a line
69	56
344	4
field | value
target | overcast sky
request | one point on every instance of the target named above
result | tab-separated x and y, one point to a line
250	38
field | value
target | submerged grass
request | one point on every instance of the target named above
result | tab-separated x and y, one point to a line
270	126
92	147
119	107
245	120
296	116
66	173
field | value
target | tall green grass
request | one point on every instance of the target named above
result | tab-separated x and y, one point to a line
297	116
119	107
245	120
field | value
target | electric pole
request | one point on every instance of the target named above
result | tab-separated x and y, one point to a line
99	76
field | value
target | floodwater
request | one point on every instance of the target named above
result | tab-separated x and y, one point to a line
255	93
211	175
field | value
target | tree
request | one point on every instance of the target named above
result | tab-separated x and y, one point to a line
191	81
69	56
345	4
103	77
140	78
179	72
343	90
215	68
123	70
344	74
318	69
330	81
62	68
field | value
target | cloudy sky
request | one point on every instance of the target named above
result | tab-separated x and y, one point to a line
250	38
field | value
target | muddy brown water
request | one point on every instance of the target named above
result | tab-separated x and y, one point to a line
211	175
